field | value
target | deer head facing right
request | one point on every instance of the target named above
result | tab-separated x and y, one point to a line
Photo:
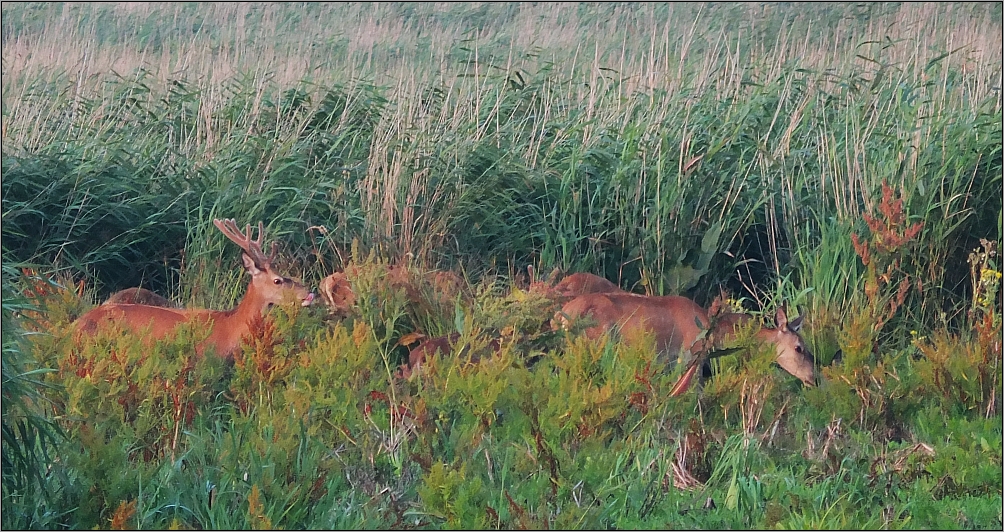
267	287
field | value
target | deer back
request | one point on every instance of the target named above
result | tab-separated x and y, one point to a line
581	283
138	296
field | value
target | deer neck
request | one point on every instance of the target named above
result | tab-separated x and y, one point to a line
230	325
766	336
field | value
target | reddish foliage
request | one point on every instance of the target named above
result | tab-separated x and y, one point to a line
123	514
397	413
518	511
640	401
492	514
266	363
317	489
881	253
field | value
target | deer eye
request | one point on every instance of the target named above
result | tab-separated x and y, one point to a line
277	281
798	349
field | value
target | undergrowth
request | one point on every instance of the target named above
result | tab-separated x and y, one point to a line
310	429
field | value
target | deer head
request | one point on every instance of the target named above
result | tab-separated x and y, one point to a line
267	287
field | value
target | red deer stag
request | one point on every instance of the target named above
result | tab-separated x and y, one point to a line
674	321
266	289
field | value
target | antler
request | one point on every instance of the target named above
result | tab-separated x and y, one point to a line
252	247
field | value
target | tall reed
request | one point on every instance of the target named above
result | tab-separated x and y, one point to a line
637	141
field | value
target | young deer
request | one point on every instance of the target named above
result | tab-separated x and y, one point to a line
677	323
266	289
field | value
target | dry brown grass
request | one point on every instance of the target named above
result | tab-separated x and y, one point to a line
215	41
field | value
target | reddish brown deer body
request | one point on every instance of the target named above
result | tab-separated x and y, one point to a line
568	288
444	286
429	346
138	296
266	288
581	283
674	322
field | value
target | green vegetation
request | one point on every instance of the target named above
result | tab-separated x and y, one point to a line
846	158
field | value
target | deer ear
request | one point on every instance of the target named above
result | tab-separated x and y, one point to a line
249	264
780	317
795	324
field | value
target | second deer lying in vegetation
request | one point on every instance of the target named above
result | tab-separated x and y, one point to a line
338	294
444	346
677	323
581	283
226	327
568	288
138	296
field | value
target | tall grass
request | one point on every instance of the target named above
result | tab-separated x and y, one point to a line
449	133
29	436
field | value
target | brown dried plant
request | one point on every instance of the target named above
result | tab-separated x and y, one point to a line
890	238
120	520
